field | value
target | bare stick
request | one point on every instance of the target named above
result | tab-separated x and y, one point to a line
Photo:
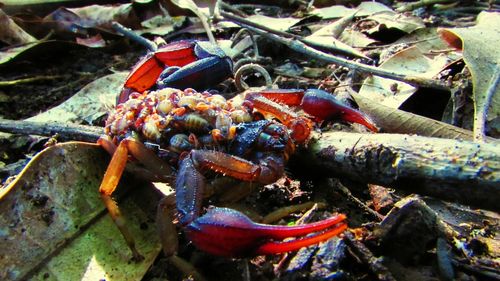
300	47
130	34
65	131
454	170
358	202
482	108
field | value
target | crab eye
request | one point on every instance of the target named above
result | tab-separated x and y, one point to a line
268	142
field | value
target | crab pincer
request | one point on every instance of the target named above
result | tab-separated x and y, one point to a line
182	64
227	232
322	106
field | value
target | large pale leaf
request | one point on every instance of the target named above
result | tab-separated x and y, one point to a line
91	102
480	50
281	24
411	61
389	19
53	221
426	39
364	9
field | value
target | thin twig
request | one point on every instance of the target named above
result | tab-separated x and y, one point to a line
300	47
482	109
374	264
358	202
29	80
65	131
129	33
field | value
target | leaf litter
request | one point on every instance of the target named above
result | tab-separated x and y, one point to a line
420	53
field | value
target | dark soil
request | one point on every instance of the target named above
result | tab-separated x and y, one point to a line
72	69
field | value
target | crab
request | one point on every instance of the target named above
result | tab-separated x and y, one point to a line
198	135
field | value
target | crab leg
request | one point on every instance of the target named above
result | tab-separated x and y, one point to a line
227	232
114	173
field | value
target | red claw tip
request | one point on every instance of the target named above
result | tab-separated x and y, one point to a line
227	232
324	106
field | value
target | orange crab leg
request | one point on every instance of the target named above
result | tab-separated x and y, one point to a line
108	186
114	173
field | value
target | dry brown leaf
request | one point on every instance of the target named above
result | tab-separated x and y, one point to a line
78	20
203	16
45	212
11	33
326	37
34	49
393	120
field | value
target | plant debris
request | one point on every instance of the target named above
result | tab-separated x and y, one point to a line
421	197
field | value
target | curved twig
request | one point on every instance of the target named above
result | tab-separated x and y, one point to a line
238	80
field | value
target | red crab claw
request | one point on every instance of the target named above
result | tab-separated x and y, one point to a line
226	232
317	103
197	65
325	106
211	67
145	73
